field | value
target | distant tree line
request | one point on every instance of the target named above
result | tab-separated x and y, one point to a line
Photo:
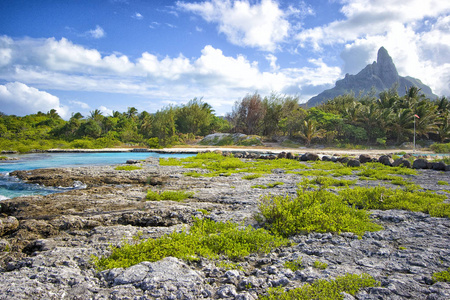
347	119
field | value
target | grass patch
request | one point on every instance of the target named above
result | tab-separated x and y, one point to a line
171	161
442	182
127	168
312	210
227	265
320	265
324	289
203	211
443	276
267	186
168	195
328	181
385	198
251	176
294	265
205	238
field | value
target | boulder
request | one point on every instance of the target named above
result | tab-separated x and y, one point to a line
289	155
311	156
353	163
420	163
438	166
386	160
364	158
132	161
281	155
401	162
326	158
343	159
8	224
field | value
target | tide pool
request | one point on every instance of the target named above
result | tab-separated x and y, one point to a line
12	187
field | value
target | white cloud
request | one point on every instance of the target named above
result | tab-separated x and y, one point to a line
62	65
19	99
96	33
415	33
261	25
272	59
137	16
105	111
83	105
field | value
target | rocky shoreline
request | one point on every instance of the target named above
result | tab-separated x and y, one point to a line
47	241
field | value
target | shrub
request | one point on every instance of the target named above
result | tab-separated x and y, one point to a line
442	182
168	195
385	198
441	148
153	143
320	265
269	185
323	289
206	238
316	210
294	265
328	181
251	176
443	276
171	161
127	168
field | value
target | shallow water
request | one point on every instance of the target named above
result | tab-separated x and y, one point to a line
12	187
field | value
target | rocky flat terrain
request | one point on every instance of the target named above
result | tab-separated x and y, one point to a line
47	241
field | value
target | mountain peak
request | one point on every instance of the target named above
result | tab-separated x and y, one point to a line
385	68
381	75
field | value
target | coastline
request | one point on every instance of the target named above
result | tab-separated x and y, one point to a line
268	150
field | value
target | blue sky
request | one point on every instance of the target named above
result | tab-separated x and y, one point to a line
81	55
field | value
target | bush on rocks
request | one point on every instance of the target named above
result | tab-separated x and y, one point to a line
205	238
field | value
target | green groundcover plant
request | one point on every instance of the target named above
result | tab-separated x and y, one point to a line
386	198
323	289
443	276
168	195
205	238
312	210
127	168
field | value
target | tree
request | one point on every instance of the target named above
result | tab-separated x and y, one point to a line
195	117
310	130
247	115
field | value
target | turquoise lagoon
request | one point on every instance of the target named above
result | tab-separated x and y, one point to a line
12	187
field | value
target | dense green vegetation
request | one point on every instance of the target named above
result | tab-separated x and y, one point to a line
168	195
205	238
443	276
345	121
323	289
294	265
316	210
127	168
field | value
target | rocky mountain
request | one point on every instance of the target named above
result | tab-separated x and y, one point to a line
380	75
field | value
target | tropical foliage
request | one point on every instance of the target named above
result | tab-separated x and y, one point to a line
347	119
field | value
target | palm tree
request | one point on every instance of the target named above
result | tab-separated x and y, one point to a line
96	115
400	123
310	130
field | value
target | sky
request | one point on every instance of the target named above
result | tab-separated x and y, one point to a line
82	55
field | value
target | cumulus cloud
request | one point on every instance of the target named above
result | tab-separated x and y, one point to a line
96	33
62	65
262	25
105	111
19	99
415	33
